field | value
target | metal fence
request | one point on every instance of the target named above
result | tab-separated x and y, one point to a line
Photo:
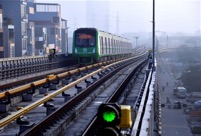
20	66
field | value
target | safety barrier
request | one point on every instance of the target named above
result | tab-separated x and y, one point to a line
157	113
15	67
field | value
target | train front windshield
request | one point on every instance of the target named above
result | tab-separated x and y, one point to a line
85	39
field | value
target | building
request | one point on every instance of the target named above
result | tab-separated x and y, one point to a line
28	28
47	21
13	31
1	33
51	30
64	36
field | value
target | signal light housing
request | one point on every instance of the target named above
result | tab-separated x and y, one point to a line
109	117
109	114
112	117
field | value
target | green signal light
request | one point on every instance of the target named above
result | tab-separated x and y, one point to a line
109	116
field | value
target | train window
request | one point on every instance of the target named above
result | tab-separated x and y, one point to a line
118	46
92	41
115	46
124	47
121	45
112	46
105	45
100	44
109	45
84	40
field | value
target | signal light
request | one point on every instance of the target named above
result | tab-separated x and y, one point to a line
112	117
109	114
109	117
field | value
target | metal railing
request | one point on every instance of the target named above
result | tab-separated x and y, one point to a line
19	66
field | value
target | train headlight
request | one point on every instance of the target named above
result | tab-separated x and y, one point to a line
94	50
75	51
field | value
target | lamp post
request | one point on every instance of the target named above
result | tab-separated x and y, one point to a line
153	40
136	37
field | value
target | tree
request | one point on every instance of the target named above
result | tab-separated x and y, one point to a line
192	78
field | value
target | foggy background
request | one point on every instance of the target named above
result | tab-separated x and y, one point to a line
172	16
131	18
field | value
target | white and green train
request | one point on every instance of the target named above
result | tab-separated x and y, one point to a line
91	45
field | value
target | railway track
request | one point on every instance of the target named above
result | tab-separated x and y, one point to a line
72	109
129	92
12	89
16	82
81	71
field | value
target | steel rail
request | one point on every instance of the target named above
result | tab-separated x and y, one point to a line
30	107
113	98
44	124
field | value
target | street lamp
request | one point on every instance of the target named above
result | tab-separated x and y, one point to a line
153	40
136	37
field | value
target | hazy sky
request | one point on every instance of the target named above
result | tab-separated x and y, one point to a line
136	15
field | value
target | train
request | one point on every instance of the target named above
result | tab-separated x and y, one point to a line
91	45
